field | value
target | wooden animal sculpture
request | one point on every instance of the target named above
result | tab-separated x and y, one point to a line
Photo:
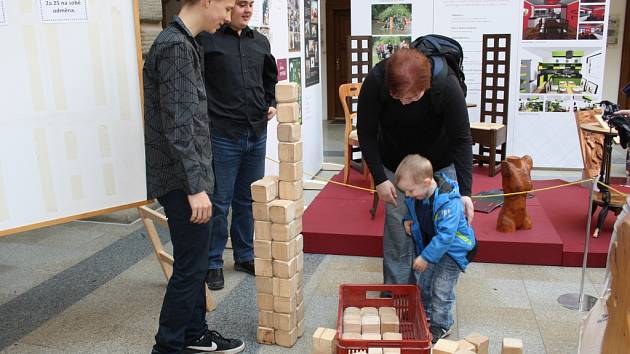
516	178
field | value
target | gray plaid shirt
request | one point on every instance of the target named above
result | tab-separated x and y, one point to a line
176	123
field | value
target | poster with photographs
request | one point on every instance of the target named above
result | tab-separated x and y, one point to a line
384	47
311	42
391	19
295	75
293	8
544	20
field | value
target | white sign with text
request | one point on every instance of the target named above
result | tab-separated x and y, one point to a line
63	11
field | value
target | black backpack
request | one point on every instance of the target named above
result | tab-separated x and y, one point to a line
444	52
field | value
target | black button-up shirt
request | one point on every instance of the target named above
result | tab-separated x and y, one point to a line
176	123
241	77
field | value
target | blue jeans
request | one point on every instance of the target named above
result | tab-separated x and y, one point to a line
183	315
398	248
237	164
437	284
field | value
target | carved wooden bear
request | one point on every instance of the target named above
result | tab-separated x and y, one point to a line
516	178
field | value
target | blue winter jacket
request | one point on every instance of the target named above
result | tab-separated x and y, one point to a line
453	235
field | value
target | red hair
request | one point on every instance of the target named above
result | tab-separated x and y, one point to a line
407	71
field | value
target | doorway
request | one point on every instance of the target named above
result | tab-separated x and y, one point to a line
337	33
624	77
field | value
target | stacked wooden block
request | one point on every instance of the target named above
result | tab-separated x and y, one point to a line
278	244
474	343
370	323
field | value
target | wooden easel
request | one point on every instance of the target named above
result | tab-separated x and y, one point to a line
617	335
149	218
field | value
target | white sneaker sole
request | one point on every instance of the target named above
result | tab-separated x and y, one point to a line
231	351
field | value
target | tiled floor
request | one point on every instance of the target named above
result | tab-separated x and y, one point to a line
96	288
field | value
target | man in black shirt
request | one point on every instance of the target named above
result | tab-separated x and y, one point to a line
240	75
396	117
179	172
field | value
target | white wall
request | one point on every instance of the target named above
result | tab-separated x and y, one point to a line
613	53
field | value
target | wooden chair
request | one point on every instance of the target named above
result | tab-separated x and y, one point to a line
491	131
348	93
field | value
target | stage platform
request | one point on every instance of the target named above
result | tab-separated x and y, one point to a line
338	222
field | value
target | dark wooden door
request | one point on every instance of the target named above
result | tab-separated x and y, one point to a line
338	31
624	77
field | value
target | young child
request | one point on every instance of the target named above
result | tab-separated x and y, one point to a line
444	241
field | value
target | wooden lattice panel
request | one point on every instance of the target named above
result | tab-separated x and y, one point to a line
495	78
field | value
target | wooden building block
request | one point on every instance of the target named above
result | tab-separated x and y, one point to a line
390	324
300	328
289	132
316	335
375	350
369	311
391	350
263	267
288	112
371	336
445	346
300	279
371	324
290	152
265	335
286	339
286	232
284	305
480	342
299	206
264	285
352	311
327	342
265	302
266	319
392	336
260	211
262	249
512	346
264	190
285	269
291	171
285	287
299	294
291	190
300	311
465	352
262	230
287	92
300	261
284	250
299	243
387	311
465	345
351	335
285	321
281	211
352	324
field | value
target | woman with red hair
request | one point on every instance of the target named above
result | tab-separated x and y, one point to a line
398	115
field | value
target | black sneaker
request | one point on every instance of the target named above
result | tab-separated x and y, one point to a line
439	333
214	280
245	267
202	344
226	345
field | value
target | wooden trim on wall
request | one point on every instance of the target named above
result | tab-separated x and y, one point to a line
331	6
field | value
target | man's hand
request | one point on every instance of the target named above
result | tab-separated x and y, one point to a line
407	224
271	112
387	192
469	209
623	112
420	264
201	208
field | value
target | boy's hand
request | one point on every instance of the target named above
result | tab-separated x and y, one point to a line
469	209
407	224
420	264
201	208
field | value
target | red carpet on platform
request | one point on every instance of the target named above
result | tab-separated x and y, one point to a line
338	222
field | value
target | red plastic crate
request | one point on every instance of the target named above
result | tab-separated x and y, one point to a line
407	302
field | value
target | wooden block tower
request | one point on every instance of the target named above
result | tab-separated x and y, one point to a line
278	245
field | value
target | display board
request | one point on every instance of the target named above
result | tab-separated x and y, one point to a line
71	136
557	59
295	44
